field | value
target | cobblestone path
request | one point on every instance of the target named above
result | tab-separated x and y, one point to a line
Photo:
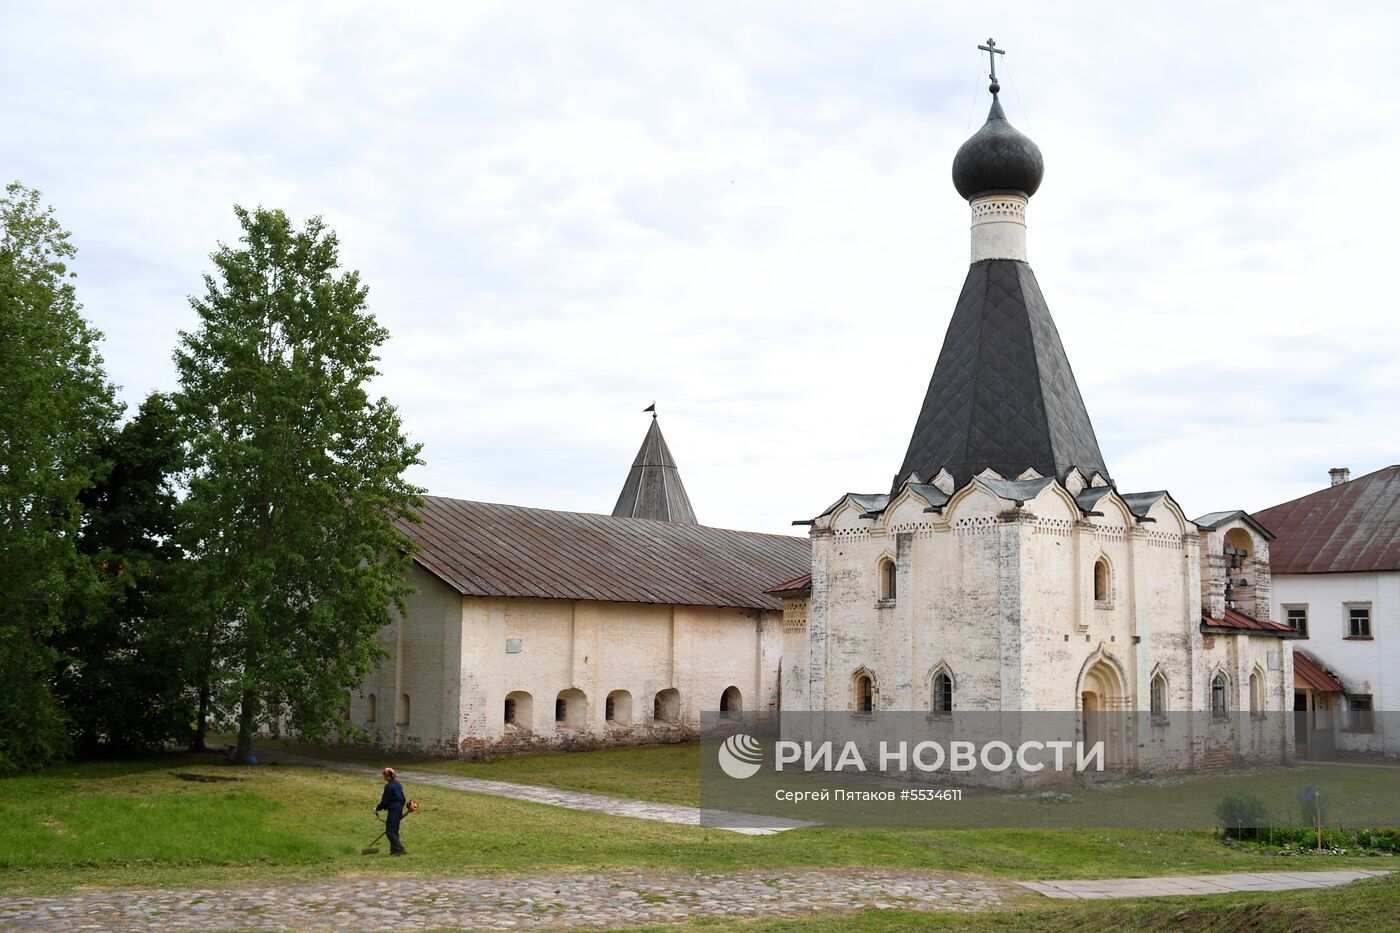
573	800
1177	885
526	902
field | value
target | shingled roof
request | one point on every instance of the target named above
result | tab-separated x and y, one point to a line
653	488
1002	393
484	549
1353	527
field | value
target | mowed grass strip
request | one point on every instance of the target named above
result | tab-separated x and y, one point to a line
661	773
138	824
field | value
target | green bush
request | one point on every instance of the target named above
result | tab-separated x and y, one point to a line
1243	815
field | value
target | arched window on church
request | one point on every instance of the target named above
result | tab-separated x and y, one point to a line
1219	696
402	718
1158	697
371	708
942	699
888	580
1256	695
864	692
1103	582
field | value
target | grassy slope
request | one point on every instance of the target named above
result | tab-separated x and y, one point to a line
105	825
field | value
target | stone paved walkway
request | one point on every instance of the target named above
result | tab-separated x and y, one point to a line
574	800
528	902
578	902
1196	884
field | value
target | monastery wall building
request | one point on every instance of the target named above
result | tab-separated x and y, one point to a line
532	628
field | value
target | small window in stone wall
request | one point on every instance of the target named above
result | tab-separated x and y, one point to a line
942	694
667	706
618	707
371	708
571	709
1360	714
403	713
1219	697
519	709
1256	695
1358	622
889	580
731	702
1103	582
1159	697
864	693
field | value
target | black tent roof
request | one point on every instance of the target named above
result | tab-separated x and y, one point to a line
1002	394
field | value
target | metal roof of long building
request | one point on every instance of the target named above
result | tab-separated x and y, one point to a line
1353	527
486	549
1314	674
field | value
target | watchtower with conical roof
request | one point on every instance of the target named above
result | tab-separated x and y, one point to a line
653	489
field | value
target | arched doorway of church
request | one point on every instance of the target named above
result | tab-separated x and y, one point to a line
1103	707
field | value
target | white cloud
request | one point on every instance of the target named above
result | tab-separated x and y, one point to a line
565	211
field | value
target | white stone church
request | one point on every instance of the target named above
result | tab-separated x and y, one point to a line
1002	570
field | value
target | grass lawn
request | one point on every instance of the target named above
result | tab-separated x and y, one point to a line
136	823
663	773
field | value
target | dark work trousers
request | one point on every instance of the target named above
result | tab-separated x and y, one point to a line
391	828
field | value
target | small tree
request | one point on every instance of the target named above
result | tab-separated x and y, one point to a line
296	477
127	657
56	408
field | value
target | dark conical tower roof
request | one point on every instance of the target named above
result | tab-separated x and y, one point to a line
1003	394
653	488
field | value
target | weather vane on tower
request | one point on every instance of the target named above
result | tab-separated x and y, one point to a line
992	52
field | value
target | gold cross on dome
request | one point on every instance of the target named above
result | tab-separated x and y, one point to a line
992	52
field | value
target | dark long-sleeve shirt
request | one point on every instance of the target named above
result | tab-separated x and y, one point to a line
393	799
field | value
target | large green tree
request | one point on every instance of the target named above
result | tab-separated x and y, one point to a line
56	409
296	475
128	657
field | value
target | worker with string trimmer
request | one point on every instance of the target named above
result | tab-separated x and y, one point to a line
392	802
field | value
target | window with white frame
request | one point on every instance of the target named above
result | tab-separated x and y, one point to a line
1360	714
1297	617
1358	621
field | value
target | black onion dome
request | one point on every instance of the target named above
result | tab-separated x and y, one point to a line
998	159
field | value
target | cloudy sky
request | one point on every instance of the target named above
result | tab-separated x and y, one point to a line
743	211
